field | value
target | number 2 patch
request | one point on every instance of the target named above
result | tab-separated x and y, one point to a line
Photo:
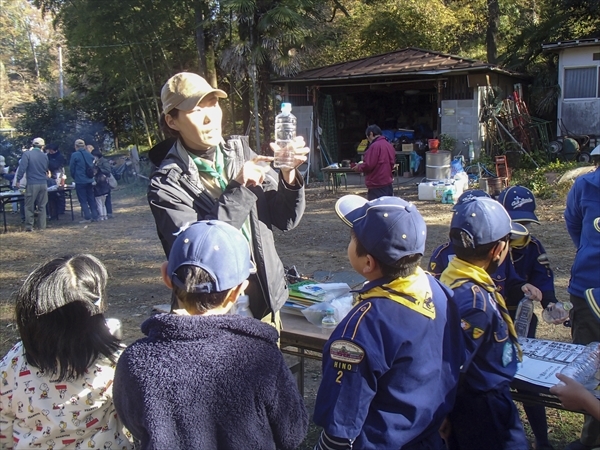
346	355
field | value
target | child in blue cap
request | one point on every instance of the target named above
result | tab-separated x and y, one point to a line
390	368
203	378
509	283
484	415
532	264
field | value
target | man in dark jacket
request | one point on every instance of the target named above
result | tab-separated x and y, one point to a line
202	178
81	161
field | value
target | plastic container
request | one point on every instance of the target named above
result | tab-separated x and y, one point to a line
285	134
448	197
433	144
242	306
426	191
585	366
328	320
556	313
523	317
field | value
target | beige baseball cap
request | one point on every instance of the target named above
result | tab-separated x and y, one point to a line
79	143
185	90
38	141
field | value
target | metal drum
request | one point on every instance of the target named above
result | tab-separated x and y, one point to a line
437	165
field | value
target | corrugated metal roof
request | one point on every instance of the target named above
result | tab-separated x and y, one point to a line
549	46
408	61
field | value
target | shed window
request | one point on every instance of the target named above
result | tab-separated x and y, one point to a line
581	82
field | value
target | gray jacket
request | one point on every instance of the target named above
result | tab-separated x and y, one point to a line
178	197
34	164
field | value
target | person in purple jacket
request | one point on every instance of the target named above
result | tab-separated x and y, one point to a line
378	164
203	378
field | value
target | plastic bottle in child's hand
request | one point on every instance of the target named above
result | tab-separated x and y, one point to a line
523	317
556	313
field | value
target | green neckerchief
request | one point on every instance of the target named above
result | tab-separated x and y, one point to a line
217	173
414	292
460	272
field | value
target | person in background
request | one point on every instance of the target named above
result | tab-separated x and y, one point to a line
391	366
202	177
582	218
34	165
56	388
378	164
102	188
484	415
81	167
56	165
204	378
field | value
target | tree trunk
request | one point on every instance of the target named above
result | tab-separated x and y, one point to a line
491	39
200	42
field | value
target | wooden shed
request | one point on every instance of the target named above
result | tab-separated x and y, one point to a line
426	92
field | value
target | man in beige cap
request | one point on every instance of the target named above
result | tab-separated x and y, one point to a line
204	177
81	166
34	165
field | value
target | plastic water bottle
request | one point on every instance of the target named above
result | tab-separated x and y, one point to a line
328	320
439	191
285	134
556	312
523	317
584	367
242	306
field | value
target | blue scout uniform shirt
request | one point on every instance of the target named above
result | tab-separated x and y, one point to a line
506	278
389	372
531	263
491	357
582	218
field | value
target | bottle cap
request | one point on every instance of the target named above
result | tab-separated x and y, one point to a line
286	107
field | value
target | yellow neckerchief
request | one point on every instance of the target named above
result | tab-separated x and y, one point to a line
414	292
520	242
460	272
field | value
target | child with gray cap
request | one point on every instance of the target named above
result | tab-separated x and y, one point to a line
484	415
391	366
203	378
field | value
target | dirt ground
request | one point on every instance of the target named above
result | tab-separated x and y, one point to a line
130	249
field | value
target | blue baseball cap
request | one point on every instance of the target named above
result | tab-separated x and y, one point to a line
469	195
216	247
519	203
484	220
388	227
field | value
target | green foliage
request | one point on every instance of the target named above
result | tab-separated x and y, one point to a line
542	181
57	122
447	142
